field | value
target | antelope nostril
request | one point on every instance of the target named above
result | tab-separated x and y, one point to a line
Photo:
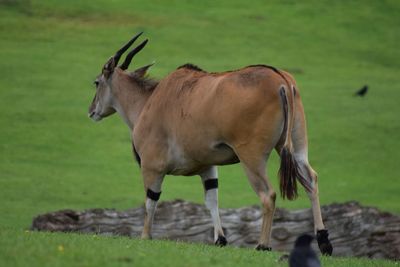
91	114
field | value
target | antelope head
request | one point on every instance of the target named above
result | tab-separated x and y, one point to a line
103	103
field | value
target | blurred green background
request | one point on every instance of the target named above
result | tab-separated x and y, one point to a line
53	157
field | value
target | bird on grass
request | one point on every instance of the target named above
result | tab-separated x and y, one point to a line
302	254
362	92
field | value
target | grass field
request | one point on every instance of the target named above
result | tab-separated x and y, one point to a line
86	250
53	157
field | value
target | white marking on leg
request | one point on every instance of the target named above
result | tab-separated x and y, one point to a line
211	200
151	206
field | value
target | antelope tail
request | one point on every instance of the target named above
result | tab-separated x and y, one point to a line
289	169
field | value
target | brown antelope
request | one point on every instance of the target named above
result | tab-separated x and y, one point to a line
191	121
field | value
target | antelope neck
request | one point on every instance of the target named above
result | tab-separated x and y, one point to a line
129	101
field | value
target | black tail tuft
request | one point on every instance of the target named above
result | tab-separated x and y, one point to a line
288	172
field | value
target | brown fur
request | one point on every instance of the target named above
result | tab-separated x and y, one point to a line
192	121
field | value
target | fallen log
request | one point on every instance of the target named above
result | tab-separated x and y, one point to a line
354	230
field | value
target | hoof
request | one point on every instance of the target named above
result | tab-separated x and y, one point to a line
324	244
263	248
221	241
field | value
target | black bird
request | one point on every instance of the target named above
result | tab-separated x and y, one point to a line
362	92
302	255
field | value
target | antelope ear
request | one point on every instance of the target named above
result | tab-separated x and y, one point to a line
109	67
141	72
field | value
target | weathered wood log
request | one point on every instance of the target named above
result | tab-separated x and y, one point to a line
354	230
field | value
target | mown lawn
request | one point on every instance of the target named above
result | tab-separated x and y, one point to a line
53	157
49	249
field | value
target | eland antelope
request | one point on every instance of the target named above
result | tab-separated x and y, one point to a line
191	121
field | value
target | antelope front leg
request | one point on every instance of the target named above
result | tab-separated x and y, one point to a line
152	186
210	183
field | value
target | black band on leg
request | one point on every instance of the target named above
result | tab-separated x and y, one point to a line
153	195
210	184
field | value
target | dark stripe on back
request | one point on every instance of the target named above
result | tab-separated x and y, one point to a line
274	69
190	66
196	68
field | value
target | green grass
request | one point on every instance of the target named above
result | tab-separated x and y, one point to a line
91	250
53	157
